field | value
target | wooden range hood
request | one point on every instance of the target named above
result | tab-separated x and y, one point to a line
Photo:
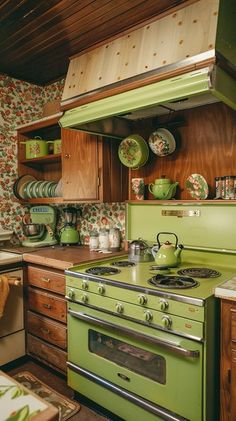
184	59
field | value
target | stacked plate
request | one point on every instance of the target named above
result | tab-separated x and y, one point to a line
28	187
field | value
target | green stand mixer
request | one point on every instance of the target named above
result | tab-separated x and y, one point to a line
41	226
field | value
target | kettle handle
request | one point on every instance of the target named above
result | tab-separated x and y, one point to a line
171	233
150	187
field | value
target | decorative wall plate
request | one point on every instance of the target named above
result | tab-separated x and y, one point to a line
197	186
162	142
133	151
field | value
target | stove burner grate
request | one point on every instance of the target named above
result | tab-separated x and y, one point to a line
179	282
123	264
199	272
102	270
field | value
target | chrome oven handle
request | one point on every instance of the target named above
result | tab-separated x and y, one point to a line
136	335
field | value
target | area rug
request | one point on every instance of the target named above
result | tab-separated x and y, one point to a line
66	406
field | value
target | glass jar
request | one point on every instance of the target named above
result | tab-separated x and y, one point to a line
229	187
103	239
114	239
220	187
93	240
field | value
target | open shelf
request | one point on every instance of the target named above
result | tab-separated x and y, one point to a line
52	158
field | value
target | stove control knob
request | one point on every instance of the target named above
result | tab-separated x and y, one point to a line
119	308
148	316
166	321
163	305
71	294
142	299
85	285
101	289
84	298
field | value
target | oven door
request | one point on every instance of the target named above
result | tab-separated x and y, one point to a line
162	368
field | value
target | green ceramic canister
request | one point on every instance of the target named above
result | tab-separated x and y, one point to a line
34	148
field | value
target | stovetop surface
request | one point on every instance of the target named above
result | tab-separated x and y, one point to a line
139	274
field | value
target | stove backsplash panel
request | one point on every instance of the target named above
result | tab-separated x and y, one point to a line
210	226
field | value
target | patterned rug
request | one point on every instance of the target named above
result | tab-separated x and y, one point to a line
66	406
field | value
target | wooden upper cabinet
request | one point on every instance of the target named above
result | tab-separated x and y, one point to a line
79	165
91	170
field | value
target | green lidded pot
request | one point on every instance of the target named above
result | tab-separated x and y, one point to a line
34	148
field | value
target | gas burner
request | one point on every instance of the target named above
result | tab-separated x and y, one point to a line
123	264
199	272
179	282
102	270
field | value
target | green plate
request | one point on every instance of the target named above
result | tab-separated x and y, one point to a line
133	151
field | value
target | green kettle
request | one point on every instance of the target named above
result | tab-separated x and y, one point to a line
167	254
162	188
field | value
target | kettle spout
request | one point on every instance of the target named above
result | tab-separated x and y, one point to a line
171	190
178	250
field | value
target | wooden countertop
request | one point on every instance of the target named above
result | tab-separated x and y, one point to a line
59	257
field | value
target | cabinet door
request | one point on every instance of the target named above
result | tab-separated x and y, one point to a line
79	165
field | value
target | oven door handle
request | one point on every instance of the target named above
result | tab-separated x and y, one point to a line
136	335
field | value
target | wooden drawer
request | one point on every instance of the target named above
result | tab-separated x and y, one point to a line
50	331
51	280
46	353
50	305
233	325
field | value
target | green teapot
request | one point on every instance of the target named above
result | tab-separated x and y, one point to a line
162	188
167	254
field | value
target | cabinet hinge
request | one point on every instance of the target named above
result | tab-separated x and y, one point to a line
98	181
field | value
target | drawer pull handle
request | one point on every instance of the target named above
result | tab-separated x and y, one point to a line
45	279
45	331
47	305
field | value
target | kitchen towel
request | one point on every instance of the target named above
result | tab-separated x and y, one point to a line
4	291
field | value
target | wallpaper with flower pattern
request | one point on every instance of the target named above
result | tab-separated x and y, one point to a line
20	103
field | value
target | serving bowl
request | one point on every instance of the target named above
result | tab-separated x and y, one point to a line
162	142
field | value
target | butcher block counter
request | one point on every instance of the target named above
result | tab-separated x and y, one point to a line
64	257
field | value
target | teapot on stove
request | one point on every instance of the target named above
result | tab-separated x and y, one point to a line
162	188
167	254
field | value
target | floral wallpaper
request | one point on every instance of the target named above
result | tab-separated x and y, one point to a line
20	103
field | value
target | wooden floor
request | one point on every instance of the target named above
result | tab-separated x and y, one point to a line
58	383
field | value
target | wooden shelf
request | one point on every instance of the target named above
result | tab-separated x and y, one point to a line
42	160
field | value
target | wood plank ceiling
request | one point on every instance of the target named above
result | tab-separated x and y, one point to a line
38	37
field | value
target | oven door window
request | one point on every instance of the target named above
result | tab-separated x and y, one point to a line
131	357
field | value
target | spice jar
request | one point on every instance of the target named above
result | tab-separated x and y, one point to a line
229	187
104	239
220	187
93	240
114	239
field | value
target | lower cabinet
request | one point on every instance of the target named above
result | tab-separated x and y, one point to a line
228	360
46	317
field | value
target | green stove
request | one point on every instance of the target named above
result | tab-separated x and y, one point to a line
145	345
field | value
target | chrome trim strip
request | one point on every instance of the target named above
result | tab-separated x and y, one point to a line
135	399
211	249
169	295
136	335
181	213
